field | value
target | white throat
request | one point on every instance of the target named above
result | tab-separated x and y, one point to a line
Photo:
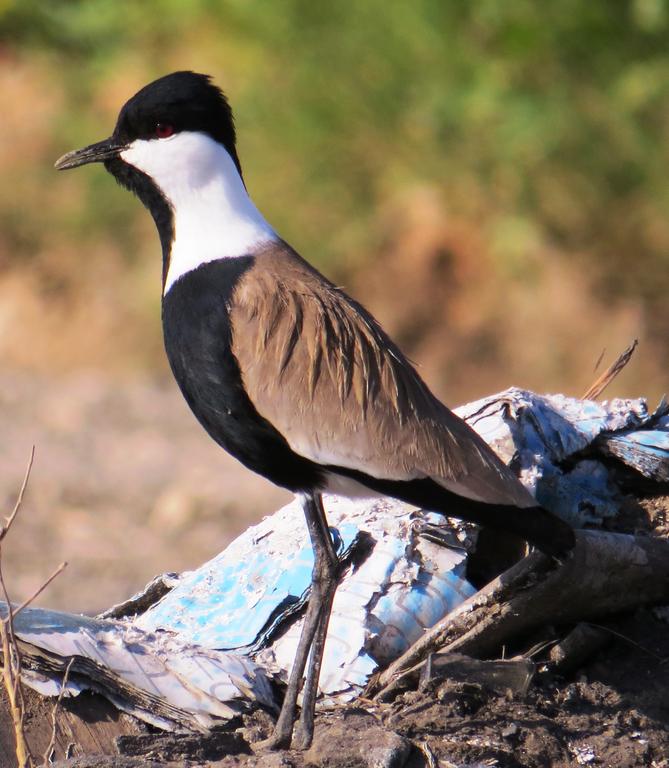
214	218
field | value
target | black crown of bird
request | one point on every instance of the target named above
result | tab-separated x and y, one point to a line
281	367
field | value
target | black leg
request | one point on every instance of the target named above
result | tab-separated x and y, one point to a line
312	639
305	730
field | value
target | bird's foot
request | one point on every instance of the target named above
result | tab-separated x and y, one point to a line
283	731
304	734
286	735
275	741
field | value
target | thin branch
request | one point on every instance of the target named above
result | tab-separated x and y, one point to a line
41	589
12	661
603	381
54	712
11	674
4	530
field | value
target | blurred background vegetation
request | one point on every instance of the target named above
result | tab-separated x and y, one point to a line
490	178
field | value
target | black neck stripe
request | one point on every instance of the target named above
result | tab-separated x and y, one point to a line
152	197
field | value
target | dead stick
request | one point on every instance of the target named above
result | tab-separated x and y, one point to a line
606	573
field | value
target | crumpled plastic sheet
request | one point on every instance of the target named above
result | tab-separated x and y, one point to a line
400	584
557	445
215	639
159	678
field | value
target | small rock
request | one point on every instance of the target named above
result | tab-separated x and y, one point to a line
391	752
357	741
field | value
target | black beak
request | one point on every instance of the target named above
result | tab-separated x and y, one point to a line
95	153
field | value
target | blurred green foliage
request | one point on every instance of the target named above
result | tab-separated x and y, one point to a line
547	121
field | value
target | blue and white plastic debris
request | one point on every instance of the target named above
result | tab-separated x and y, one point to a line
397	584
558	446
209	647
158	678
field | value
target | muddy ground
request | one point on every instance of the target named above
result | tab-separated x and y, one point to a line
125	486
612	711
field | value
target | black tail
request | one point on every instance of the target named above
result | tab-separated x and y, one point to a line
536	525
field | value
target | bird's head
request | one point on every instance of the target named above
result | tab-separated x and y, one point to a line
172	117
171	139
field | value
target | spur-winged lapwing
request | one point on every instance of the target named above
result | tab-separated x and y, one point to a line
281	367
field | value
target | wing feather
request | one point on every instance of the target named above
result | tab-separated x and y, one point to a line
342	394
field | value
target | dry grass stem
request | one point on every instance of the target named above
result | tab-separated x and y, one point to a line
629	641
603	381
54	714
599	360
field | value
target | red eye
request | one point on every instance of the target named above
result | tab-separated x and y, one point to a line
164	130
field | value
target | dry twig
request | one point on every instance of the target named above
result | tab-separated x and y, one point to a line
54	712
11	677
19	499
11	669
40	589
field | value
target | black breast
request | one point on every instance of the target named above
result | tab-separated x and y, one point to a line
197	332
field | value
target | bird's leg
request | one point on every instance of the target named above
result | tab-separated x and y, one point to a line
312	639
283	730
330	567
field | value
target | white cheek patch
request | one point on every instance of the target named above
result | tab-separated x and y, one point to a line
214	218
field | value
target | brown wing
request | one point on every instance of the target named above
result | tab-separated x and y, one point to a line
320	369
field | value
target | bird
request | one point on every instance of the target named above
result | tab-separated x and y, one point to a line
282	368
